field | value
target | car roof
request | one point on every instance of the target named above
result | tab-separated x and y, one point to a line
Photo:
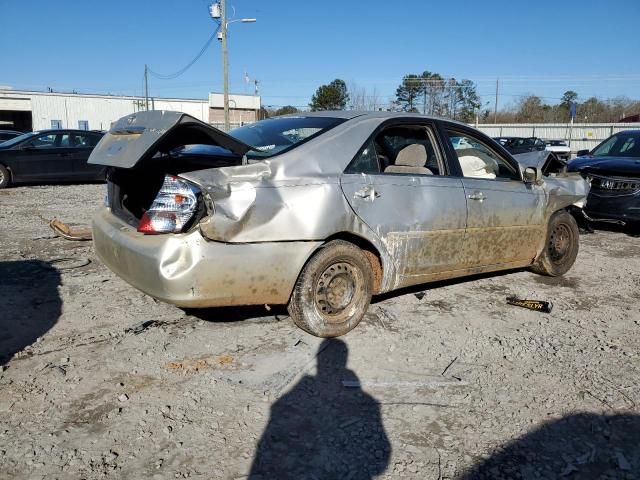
364	115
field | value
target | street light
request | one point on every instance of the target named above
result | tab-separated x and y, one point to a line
218	10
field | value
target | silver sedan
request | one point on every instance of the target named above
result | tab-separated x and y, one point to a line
320	211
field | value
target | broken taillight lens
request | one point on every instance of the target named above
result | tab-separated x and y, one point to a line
174	206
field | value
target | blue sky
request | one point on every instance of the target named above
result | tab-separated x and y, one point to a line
544	47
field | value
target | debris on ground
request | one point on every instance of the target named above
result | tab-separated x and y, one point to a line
67	232
537	305
188	365
138	328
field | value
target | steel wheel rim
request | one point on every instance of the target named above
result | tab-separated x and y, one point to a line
336	291
560	242
1	177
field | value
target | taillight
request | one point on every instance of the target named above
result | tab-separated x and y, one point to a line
172	209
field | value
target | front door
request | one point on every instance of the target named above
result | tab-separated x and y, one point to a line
398	186
505	222
46	157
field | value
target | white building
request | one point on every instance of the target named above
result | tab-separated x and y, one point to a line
26	110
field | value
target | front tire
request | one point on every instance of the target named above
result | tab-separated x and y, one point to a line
5	177
333	291
561	248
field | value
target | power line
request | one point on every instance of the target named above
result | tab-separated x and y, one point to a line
188	65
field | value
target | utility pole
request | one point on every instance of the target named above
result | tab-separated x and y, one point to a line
495	110
146	86
225	64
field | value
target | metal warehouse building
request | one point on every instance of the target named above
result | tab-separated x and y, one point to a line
27	111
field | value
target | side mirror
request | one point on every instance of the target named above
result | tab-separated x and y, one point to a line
532	175
582	153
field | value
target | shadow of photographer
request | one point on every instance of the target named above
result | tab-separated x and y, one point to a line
322	430
31	304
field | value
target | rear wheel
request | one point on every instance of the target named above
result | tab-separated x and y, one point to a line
5	177
561	248
333	291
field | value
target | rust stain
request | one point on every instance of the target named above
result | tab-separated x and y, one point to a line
188	365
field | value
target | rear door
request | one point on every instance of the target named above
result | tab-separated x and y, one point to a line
505	222
48	156
418	213
83	144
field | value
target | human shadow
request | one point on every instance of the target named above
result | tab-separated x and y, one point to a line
31	304
323	430
578	446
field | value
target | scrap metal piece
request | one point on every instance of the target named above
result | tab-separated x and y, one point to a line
65	231
536	305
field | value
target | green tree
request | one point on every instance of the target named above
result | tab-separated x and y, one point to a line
409	93
467	101
568	98
286	110
330	97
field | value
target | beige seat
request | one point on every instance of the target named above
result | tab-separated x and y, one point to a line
411	159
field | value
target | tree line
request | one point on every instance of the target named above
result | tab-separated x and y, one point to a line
430	93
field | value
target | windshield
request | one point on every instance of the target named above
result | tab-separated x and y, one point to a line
18	139
276	135
621	145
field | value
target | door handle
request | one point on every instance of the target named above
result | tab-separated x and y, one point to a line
367	193
477	196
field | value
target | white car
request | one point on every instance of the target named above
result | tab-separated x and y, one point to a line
559	148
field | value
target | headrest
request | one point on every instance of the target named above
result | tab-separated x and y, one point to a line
414	155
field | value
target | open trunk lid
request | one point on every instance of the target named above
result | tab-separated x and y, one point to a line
140	136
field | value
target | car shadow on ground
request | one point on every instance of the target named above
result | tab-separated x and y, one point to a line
592	227
424	287
31	304
239	313
321	429
577	446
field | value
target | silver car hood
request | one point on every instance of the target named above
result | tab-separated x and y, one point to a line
141	135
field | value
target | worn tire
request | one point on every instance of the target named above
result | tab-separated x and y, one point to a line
333	290
5	177
561	246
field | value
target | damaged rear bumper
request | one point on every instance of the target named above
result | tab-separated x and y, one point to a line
189	271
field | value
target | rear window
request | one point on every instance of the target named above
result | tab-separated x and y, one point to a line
277	135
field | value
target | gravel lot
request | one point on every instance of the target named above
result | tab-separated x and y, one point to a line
100	381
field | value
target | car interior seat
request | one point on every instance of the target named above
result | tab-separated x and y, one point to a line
411	159
476	164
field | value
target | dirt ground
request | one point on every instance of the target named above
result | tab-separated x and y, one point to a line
99	380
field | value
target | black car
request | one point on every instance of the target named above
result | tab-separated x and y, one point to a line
517	145
49	156
8	135
613	168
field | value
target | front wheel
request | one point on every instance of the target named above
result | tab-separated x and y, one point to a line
561	248
333	291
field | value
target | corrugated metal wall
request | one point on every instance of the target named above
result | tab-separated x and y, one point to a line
582	135
100	112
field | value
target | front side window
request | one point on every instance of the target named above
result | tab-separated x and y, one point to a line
478	160
366	161
44	141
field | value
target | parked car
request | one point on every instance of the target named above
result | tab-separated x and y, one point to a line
517	145
559	148
532	151
49	155
8	135
320	210
613	168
